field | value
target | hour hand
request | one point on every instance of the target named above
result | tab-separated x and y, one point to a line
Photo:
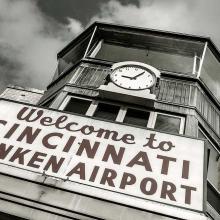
126	76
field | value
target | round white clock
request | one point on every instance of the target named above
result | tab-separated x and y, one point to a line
133	75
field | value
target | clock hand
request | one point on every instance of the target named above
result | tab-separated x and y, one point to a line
135	77
126	77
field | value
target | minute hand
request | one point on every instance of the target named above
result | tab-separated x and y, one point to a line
138	75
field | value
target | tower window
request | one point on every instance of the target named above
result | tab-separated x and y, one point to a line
136	117
167	59
169	123
107	111
213	161
79	106
213	172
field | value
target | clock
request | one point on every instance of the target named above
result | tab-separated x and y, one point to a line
133	75
131	82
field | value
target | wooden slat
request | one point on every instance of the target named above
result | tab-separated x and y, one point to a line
81	91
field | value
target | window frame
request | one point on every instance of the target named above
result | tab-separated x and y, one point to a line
182	120
122	112
96	48
96	103
138	109
67	100
213	144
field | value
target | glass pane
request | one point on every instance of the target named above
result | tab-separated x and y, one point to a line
7	216
167	123
210	73
213	163
79	106
163	60
72	56
136	117
107	111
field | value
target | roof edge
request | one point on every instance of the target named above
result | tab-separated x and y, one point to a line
140	29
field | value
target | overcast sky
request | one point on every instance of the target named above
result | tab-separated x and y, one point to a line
32	32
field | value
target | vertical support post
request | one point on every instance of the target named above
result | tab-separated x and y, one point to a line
202	59
90	41
191	128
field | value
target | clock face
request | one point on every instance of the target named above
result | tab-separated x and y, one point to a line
133	77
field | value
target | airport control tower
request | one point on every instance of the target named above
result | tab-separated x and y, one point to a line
129	128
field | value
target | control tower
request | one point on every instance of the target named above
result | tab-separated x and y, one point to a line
129	128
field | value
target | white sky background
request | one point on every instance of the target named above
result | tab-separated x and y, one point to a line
30	39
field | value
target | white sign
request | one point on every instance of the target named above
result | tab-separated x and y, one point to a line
138	162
